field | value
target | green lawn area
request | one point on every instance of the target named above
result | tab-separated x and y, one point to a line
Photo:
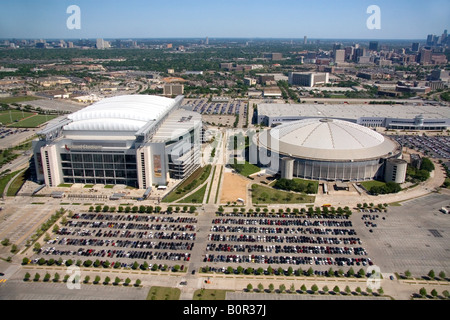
88	186
6	117
209	192
17	99
197	178
210	294
262	194
33	122
163	293
16	185
65	185
246	168
5	179
196	197
372	183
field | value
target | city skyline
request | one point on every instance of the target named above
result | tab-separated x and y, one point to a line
263	19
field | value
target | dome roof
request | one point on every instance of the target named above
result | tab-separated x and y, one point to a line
121	113
327	139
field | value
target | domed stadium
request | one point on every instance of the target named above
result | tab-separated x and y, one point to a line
133	140
328	149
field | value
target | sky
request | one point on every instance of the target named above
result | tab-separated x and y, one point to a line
323	19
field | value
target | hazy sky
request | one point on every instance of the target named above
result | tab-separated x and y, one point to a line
400	19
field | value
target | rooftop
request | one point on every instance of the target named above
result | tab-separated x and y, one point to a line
120	113
352	111
327	139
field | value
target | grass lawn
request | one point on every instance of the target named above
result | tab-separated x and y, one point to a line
16	185
109	186
246	168
209	192
5	179
65	185
88	186
33	122
263	194
196	197
218	185
17	99
163	293
372	183
6	117
210	294
197	178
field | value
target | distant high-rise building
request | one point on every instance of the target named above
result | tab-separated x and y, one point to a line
207	41
415	47
425	56
102	44
339	55
173	89
273	56
308	79
373	46
305	40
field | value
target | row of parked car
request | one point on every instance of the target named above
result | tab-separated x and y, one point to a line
283	222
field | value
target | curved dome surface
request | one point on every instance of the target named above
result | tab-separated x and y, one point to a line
121	113
327	139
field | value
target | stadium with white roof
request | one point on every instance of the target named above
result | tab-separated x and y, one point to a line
135	140
328	149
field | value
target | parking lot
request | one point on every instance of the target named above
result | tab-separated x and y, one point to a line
231	240
412	237
435	146
219	108
123	237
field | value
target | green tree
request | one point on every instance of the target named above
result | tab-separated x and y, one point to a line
431	274
36	277
107	280
97	279
116	281
137	283
361	273
271	287
86	279
423	292
442	275
350	272
282	288
325	289
260	287
407	274
25	261
303	288
314	288
26	277
347	290
445	293
127	282
37	247
336	289
249	287
434	293
292	288
358	290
